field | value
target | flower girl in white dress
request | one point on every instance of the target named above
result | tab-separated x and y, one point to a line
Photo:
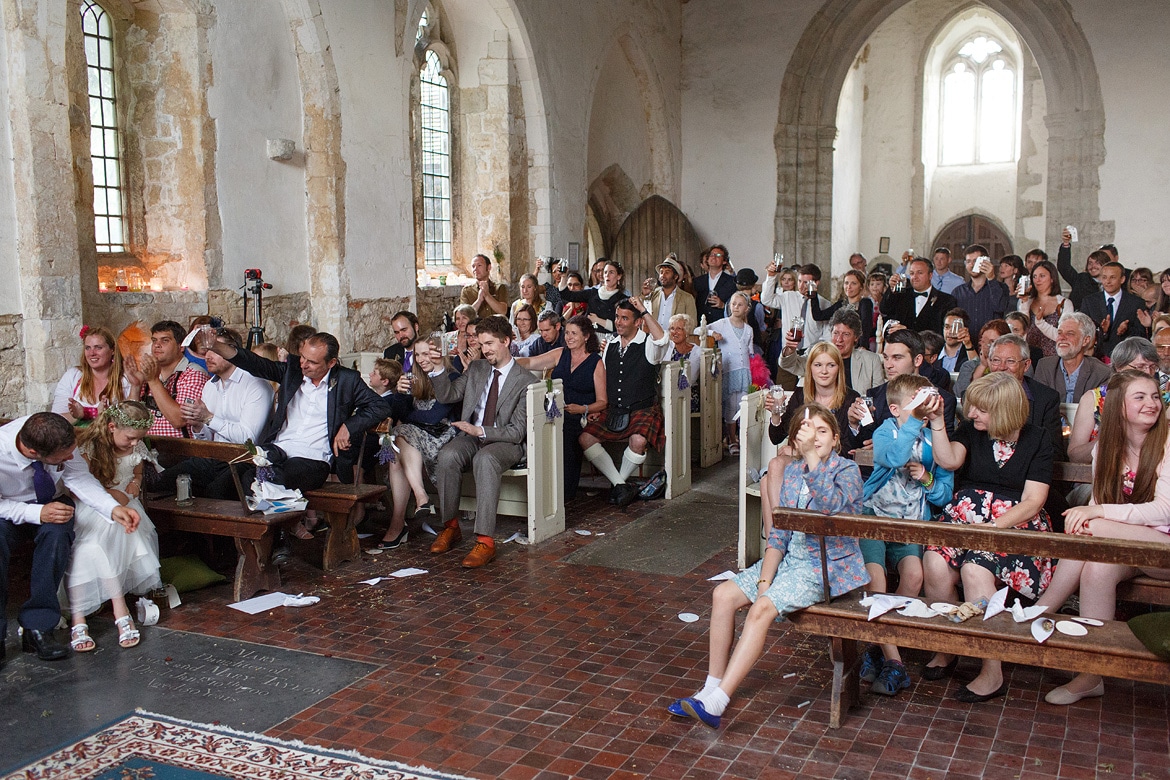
109	561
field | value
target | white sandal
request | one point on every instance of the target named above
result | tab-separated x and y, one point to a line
80	640
128	635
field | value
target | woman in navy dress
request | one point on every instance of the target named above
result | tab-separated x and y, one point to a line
578	365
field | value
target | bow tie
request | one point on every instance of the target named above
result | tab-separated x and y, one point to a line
921	294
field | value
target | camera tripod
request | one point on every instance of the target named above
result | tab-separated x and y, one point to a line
254	283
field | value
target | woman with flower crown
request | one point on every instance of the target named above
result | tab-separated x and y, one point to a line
97	382
109	561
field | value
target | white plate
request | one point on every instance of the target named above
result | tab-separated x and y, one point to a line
1042	628
943	608
688	617
1089	621
1071	628
582	532
375	551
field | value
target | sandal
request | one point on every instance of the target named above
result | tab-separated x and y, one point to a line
128	635
80	640
304	529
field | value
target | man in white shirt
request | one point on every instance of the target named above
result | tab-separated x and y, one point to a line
492	424
796	303
235	404
668	299
34	452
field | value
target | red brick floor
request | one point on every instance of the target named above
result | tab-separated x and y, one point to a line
535	668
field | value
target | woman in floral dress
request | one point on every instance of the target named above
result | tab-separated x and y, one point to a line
1003	466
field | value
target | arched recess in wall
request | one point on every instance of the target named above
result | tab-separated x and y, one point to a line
654	229
535	116
973	228
324	167
612	197
806	128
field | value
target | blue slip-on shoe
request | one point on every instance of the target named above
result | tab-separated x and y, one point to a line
891	679
676	709
871	663
695	709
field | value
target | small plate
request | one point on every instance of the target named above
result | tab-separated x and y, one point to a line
688	617
1042	628
1070	628
375	550
582	532
1089	621
943	608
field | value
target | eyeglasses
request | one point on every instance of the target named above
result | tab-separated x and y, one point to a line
1009	362
1162	347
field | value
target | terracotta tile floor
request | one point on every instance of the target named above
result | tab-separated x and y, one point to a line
535	668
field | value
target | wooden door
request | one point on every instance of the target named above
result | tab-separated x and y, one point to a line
651	232
972	229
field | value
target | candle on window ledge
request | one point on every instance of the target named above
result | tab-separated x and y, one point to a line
156	284
103	287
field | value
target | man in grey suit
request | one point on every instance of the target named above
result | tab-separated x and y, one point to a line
492	426
1070	372
863	369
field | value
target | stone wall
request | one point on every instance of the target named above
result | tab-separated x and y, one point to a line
369	321
12	402
280	312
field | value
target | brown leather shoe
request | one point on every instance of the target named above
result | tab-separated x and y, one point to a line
447	538
480	555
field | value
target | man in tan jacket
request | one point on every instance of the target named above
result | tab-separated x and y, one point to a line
669	299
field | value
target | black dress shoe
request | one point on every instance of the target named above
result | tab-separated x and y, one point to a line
968	696
43	644
936	673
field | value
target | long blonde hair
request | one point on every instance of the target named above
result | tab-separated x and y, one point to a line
810	386
97	440
112	393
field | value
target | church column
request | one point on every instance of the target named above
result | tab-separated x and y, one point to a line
804	206
46	237
1076	151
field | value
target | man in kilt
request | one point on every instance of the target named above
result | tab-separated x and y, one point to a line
633	415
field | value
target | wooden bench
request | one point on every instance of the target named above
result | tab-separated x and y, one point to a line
1111	650
707	436
536	489
1140	589
755	450
253	532
341	504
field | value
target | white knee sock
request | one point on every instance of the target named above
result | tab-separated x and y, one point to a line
715	701
630	462
597	455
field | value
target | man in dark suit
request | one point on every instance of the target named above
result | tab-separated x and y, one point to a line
321	407
920	306
1070	372
903	353
1114	310
1082	284
493	423
714	289
404	325
1012	355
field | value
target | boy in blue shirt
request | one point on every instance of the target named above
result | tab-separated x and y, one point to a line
904	483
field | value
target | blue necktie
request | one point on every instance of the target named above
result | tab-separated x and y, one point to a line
1109	306
43	483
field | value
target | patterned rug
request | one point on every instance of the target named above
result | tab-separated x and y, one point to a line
146	746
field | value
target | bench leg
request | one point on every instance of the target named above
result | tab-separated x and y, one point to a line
343	544
846	684
254	569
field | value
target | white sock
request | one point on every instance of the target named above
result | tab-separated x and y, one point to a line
630	462
708	685
715	701
597	455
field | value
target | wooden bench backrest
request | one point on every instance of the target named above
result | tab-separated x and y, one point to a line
710	408
546	466
754	454
1062	471
676	415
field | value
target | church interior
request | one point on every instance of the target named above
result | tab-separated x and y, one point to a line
359	153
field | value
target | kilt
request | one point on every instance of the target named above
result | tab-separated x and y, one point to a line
644	422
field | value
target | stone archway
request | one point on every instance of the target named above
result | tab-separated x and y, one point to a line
806	128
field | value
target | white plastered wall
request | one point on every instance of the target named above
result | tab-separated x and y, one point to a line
256	96
9	304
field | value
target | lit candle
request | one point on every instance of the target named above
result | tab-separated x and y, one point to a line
103	287
156	284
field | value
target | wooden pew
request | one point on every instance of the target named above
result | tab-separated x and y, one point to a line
536	488
709	433
342	505
1111	650
755	450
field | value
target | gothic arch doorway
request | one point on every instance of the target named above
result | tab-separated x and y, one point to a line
654	229
973	229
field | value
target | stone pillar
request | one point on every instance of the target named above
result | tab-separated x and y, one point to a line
804	206
46	225
1076	150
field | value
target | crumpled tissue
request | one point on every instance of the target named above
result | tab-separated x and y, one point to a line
270	498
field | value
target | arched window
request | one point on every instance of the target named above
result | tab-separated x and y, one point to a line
105	144
434	144
978	104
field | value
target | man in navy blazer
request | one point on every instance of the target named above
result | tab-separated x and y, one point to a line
714	289
921	306
1114	309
